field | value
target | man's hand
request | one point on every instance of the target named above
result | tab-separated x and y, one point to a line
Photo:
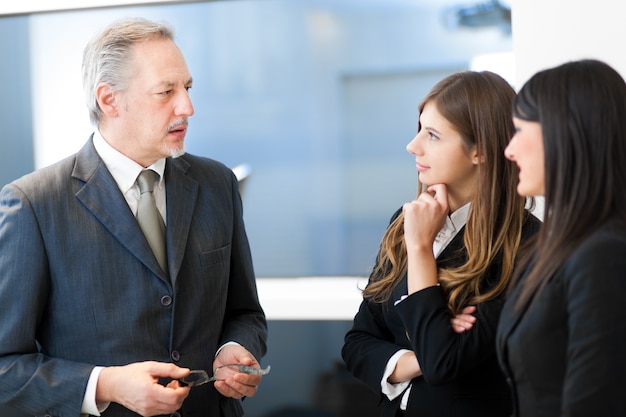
136	387
239	385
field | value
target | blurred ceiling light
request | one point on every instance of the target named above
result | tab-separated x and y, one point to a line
479	15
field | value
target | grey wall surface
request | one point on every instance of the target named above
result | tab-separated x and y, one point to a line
16	135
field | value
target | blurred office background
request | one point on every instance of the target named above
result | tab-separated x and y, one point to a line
318	98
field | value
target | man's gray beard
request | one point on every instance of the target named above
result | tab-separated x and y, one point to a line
175	153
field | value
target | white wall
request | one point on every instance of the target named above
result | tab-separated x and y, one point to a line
547	33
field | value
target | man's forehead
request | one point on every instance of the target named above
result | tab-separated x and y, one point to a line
171	83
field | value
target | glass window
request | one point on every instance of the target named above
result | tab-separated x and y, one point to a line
317	97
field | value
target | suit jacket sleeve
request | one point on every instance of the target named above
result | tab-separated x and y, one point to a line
371	341
24	287
368	345
443	354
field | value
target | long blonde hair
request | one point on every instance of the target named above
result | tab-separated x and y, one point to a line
478	105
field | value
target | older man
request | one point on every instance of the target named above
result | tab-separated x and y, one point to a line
99	315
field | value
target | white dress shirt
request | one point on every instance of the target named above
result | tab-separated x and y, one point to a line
454	223
125	172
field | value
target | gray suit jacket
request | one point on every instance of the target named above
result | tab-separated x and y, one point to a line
80	287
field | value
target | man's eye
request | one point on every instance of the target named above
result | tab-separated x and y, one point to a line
166	92
188	88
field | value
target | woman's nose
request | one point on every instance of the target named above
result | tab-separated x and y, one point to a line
508	151
413	147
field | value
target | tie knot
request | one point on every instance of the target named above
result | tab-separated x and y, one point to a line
146	180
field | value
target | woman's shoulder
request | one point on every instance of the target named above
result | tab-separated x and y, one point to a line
602	253
531	221
597	264
395	215
609	240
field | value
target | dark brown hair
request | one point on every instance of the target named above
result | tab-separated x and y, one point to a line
581	107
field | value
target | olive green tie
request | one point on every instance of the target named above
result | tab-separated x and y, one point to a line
149	218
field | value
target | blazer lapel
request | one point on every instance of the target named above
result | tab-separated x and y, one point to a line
100	194
511	315
455	253
514	312
182	193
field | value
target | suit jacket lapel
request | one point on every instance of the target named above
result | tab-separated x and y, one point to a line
100	194
182	193
454	254
511	315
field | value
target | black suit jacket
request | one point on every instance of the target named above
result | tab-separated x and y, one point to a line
79	285
461	376
565	353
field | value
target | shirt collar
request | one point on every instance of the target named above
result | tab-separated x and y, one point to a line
459	217
123	169
454	223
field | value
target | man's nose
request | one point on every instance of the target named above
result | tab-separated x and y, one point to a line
184	107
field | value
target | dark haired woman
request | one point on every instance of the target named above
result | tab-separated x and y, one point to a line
562	336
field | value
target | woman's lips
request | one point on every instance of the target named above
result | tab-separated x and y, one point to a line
421	167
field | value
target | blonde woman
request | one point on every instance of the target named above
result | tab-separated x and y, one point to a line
453	246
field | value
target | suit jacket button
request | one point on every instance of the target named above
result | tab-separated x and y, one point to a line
175	356
166	300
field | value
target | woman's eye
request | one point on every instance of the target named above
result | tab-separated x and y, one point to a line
433	136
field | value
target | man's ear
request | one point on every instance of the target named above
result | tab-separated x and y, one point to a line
107	99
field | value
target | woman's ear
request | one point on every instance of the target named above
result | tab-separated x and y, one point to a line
477	159
107	99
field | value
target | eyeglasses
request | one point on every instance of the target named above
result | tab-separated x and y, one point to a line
199	377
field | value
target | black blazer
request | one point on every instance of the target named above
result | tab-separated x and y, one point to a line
461	376
565	354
